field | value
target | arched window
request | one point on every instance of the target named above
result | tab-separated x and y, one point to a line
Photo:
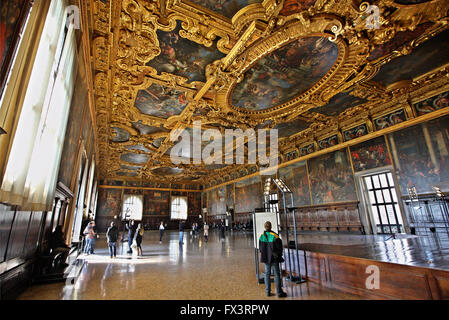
179	208
132	207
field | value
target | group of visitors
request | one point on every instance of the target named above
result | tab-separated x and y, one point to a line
270	245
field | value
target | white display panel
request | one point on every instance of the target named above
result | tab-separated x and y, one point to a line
259	219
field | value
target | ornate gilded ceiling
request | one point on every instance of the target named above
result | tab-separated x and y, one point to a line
313	69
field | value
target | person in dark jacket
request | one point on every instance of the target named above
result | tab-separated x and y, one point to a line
131	232
222	229
181	232
271	249
112	236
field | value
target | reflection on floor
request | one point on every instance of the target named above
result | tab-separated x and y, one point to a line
197	270
428	251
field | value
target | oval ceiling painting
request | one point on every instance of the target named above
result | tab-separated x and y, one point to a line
119	135
285	73
134	158
167	171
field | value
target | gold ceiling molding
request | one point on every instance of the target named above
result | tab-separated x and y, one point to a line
125	40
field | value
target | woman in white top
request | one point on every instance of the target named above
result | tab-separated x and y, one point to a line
206	231
161	231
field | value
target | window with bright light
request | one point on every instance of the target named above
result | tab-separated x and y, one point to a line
132	207
32	165
179	208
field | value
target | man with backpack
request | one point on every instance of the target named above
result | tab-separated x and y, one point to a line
271	250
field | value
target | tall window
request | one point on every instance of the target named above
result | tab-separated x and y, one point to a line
179	208
384	203
32	166
132	207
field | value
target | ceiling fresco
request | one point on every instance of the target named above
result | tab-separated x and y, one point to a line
430	55
119	135
339	103
285	73
308	68
183	57
145	129
400	38
226	8
287	129
160	101
296	6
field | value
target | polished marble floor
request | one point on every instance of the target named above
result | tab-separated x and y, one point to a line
197	270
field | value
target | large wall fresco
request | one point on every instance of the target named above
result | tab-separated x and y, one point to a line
79	127
12	13
160	101
422	157
156	202
230	195
285	73
227	8
295	176
183	57
109	202
370	154
212	200
194	203
331	178
248	195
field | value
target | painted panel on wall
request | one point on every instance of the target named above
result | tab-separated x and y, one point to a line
432	104
295	176
12	17
221	200
390	119
421	156
72	136
331	178
156	202
194	203
230	195
248	195
109	202
212	202
370	154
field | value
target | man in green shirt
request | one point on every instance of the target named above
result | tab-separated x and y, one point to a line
271	249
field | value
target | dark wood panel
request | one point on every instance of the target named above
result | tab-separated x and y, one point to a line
349	274
32	237
6	219
18	234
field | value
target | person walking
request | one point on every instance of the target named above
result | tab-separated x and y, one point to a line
181	232
161	231
131	233
222	229
112	236
206	231
90	234
139	238
271	249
